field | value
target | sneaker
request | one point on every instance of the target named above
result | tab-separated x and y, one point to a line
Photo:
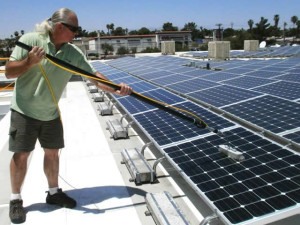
60	199
16	211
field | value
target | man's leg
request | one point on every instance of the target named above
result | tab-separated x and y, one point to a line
18	168
51	168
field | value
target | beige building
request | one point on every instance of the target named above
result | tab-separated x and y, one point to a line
138	42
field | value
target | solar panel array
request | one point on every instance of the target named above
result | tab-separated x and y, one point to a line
267	182
228	89
269	52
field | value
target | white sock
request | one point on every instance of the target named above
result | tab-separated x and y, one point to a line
53	190
15	196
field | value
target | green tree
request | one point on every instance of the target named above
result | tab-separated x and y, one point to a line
276	20
93	34
122	51
261	29
169	27
143	31
298	27
191	26
150	50
107	48
112	27
294	20
108	29
133	32
119	31
228	32
250	23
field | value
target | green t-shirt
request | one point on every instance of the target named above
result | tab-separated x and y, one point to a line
32	96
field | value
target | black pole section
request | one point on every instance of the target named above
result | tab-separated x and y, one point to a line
134	94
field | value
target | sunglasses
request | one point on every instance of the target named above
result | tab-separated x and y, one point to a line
72	28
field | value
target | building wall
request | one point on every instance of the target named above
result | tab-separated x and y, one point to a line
138	42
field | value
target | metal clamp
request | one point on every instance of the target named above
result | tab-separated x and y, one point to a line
144	147
157	162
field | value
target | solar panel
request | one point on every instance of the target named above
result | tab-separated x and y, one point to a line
287	90
133	105
238	71
264	186
164	128
142	86
248	82
191	85
264	74
170	79
153	74
294	136
223	95
128	80
219	76
183	69
271	113
294	77
199	72
267	180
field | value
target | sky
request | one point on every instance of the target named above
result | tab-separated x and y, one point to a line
93	15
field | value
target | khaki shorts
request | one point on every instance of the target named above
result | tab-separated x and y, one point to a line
25	131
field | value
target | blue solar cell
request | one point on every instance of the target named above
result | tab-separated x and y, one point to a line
268	179
192	85
271	113
294	77
223	95
247	185
295	136
170	79
219	76
165	128
150	75
287	90
128	80
133	105
182	69
248	82
238	71
198	73
264	74
142	86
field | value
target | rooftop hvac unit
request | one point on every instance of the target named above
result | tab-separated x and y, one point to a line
219	50
251	45
168	47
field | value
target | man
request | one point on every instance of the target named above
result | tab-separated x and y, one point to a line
34	115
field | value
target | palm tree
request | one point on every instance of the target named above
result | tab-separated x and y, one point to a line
262	27
108	27
284	26
298	27
276	20
250	23
111	26
294	20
